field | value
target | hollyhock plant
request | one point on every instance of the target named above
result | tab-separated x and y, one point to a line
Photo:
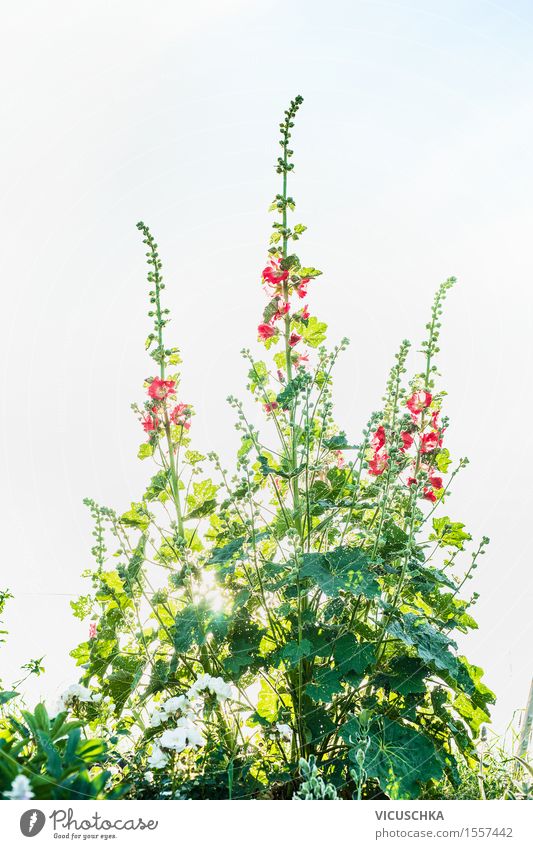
301	607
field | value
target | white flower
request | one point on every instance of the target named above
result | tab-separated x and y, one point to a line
217	686
221	689
285	731
20	789
97	697
157	759
157	717
176	703
148	777
185	735
76	692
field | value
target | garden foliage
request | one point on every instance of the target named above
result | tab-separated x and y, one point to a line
300	609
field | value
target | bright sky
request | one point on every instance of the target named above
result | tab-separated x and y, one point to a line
413	162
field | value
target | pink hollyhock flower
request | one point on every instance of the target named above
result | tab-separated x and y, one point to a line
378	463
378	440
301	360
180	415
161	389
436	482
150	423
294	339
269	408
301	288
281	376
92	630
434	419
407	440
419	401
430	442
341	462
429	494
273	276
283	309
265	331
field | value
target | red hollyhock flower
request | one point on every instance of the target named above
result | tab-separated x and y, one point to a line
436	481
411	481
407	440
269	408
294	339
161	389
305	313
265	331
378	440
429	494
430	442
378	463
434	419
419	401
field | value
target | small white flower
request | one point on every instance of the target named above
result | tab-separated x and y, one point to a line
157	759
20	789
148	777
97	697
284	731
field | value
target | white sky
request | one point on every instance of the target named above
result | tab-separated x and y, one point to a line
413	162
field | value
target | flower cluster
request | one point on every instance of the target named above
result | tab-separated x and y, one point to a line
280	284
162	410
425	433
185	733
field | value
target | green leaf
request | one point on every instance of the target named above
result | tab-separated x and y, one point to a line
7	695
145	450
293	652
344	569
112	580
226	552
398	756
158	486
293	388
314	332
449	533
267	703
137	517
326	682
431	645
339	443
353	658
443	460
407	676
201	502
